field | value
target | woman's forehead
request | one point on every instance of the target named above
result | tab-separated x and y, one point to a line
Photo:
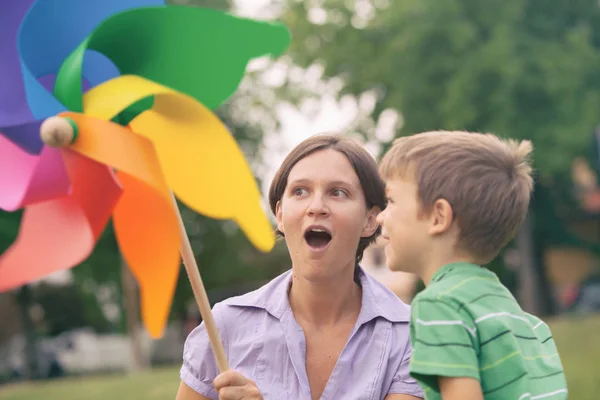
324	166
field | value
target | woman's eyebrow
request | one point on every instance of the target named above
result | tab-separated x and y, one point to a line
299	182
304	181
341	183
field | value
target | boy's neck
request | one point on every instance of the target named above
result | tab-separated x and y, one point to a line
434	264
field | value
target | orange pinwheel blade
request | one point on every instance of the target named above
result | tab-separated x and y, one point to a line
61	233
144	219
148	234
117	146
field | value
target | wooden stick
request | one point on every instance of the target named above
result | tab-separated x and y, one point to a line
189	261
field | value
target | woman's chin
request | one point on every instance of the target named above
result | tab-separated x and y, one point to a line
320	270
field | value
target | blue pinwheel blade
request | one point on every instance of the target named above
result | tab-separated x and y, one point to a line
51	30
35	38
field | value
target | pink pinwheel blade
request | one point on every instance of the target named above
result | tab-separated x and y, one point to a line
61	233
26	179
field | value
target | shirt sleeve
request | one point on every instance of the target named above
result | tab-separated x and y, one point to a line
403	383
444	342
199	368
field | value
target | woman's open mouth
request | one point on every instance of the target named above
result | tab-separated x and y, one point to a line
317	237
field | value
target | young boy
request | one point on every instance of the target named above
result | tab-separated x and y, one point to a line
455	199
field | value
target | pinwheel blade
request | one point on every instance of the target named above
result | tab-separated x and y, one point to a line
14	110
61	233
148	234
201	161
144	218
49	32
197	51
27	179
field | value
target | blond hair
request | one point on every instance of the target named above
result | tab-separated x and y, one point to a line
487	181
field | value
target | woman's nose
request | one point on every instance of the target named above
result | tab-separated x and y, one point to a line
317	206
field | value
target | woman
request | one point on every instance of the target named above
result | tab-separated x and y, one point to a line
324	329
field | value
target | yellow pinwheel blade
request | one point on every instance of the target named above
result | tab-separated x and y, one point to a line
201	161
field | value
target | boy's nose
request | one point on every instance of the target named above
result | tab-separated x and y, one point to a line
379	218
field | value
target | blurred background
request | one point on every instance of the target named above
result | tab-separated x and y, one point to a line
375	70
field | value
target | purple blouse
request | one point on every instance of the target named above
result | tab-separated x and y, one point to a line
263	341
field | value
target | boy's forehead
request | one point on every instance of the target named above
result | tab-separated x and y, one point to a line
397	185
391	183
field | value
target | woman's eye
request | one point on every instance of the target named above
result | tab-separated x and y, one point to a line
339	193
298	191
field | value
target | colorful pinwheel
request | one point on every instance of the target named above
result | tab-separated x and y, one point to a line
122	91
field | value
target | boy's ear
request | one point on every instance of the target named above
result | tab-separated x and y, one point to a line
441	217
371	223
279	217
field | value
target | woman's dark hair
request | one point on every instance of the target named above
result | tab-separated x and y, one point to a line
361	160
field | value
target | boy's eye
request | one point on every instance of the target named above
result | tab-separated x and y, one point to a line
389	200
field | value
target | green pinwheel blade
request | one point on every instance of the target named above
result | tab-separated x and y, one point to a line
197	51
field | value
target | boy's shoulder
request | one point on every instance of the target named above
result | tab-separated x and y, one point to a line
460	286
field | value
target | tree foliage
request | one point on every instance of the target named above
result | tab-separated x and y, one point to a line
525	69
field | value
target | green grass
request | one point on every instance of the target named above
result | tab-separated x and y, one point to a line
576	337
579	348
159	383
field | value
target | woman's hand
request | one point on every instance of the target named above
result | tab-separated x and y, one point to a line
231	385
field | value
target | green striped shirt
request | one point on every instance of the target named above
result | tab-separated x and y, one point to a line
467	324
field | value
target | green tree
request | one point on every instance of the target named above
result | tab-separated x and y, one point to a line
524	69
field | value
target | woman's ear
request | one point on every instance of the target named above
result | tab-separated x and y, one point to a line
279	217
371	223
